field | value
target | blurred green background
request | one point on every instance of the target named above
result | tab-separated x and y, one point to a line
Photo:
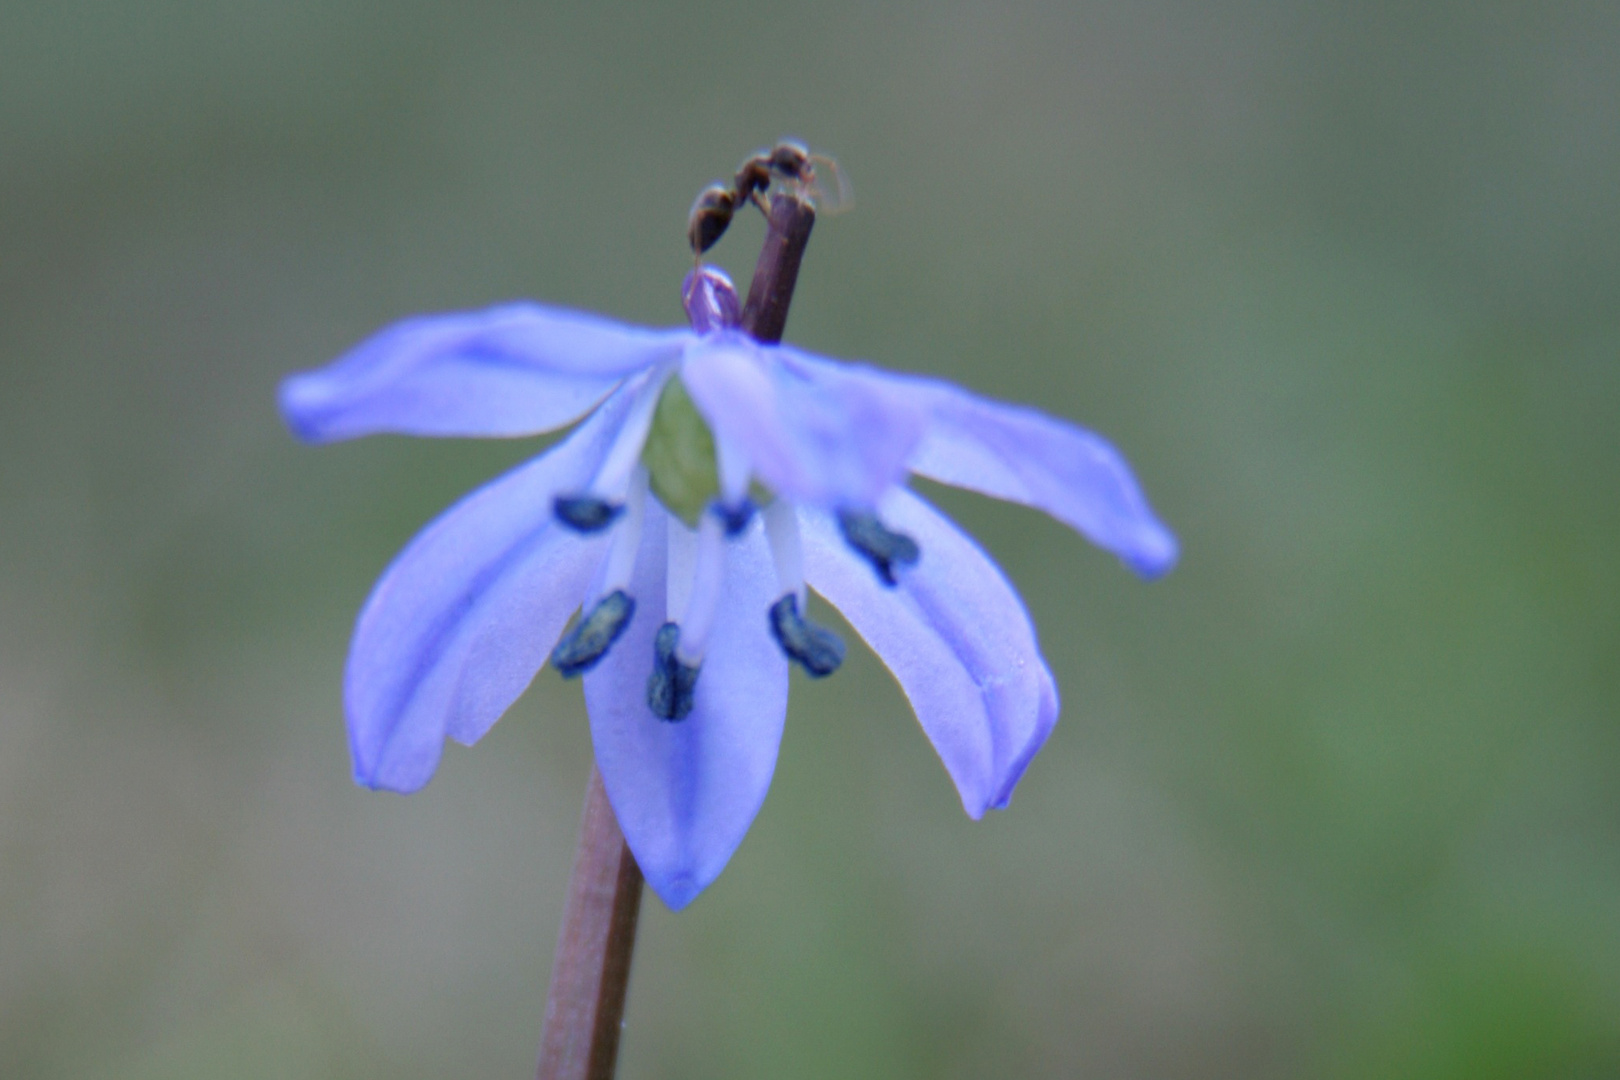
1338	798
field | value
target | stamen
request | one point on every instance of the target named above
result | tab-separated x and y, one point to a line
819	651
696	577
678	574
585	513
733	469
626	542
613	476
670	686
599	505
734	519
782	531
588	641
703	600
881	547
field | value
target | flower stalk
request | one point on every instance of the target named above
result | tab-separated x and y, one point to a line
590	972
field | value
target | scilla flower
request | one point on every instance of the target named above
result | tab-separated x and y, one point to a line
713	479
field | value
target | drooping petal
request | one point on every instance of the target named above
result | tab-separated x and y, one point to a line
1021	455
956	637
686	791
514	369
818	441
458	625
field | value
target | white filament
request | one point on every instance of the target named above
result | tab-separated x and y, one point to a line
614	476
782	531
731	461
678	576
697	563
626	539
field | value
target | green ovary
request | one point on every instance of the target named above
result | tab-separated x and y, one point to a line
679	456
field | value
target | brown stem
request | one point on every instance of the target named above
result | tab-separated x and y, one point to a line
771	291
591	971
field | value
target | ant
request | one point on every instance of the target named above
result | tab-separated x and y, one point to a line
789	161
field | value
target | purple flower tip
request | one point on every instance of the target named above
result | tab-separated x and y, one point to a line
710	300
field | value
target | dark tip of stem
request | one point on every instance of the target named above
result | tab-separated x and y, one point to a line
769	294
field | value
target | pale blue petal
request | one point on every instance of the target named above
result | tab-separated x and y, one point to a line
1021	455
515	369
957	638
458	625
815	441
685	792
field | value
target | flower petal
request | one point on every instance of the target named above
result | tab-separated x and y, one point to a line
955	635
823	442
685	792
515	369
458	625
1024	456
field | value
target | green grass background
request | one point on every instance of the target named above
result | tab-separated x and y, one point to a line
1339	798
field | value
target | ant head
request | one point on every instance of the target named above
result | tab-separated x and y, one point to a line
710	215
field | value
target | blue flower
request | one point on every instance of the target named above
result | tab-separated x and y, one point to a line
712	479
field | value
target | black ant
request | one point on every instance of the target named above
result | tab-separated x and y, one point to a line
788	161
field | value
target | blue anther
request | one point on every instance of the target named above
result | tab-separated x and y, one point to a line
734	518
817	650
585	513
670	686
880	546
589	640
